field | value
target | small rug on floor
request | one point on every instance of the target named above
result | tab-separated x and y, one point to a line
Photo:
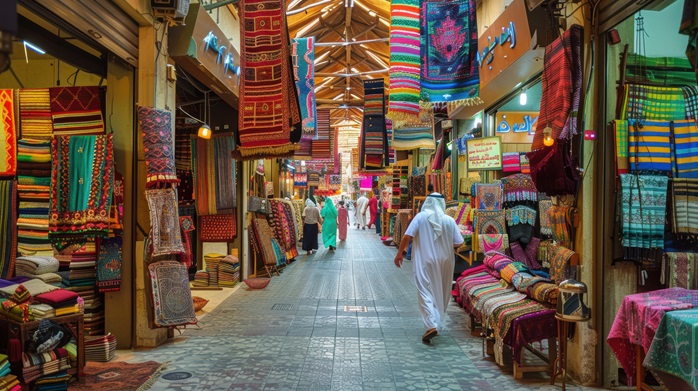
121	376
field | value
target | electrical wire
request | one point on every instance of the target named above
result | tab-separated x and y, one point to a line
21	85
189	115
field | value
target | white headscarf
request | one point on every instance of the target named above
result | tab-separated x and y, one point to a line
435	208
309	202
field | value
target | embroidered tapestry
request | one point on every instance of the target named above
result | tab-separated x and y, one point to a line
109	265
519	188
490	196
304	74
164	221
490	222
682	270
82	182
8	138
76	110
217	228
35	113
172	302
405	59
449	69
267	91
156	129
685	209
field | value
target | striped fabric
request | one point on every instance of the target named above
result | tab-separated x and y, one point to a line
373	138
321	146
685	149
644	102
621	131
35	113
404	63
76	110
643	213
511	162
649	146
304	73
525	165
685	208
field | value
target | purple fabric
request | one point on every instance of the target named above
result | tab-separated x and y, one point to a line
530	328
532	253
4	283
19	279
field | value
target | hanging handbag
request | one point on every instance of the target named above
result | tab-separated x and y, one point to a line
258	204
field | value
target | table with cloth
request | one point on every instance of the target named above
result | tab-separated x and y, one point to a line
637	321
674	349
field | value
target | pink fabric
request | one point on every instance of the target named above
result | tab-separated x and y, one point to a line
373	210
342	222
637	321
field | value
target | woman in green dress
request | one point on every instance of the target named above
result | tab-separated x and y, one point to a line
329	224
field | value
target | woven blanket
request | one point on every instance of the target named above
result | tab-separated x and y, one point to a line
374	142
510	162
649	146
489	196
304	151
76	110
226	189
645	102
449	70
263	234
266	84
164	221
217	228
419	136
35	113
504	317
643	213
405	60
37	265
562	87
490	222
82	184
685	137
8	138
109	265
172	302
156	129
685	209
304	74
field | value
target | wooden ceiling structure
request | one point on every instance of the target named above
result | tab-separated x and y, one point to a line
351	44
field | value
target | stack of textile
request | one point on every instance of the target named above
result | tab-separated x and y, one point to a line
54	382
212	261
63	301
100	348
36	365
42	311
9	383
201	278
41	267
33	186
228	271
4	367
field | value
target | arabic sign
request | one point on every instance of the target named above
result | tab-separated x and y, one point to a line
485	153
516	127
504	42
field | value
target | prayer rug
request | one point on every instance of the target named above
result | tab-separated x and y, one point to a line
405	61
562	87
217	228
82	183
76	110
109	265
685	137
643	213
489	196
490	222
544	292
620	128
225	169
682	270
8	138
304	73
156	129
409	137
266	87
164	221
685	209
644	102
35	113
172	302
649	146
449	69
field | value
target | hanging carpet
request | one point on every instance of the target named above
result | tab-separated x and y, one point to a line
172	302
225	169
166	233
76	110
304	73
35	113
373	138
82	182
404	91
266	84
218	228
321	145
109	265
8	138
156	129
643	213
449	70
415	136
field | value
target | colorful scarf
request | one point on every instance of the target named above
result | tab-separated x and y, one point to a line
685	209
8	147
682	270
156	129
109	265
403	109
374	142
76	110
493	242
489	196
82	183
685	137
649	146
560	257
562	87
304	74
643	213
164	220
267	96
449	44
35	113
560	218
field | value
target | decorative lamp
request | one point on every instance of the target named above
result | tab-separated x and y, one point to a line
548	139
570	304
205	131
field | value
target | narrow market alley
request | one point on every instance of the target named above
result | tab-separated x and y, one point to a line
296	334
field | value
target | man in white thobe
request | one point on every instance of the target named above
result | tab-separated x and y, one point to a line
360	210
434	235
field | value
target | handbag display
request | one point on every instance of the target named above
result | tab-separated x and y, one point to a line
258	204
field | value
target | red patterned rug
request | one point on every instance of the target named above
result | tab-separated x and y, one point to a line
76	110
121	376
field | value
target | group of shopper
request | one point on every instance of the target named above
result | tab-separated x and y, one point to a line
327	220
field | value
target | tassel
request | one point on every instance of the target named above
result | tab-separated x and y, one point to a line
14	350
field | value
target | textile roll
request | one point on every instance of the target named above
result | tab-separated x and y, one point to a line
685	209
82	182
8	138
449	69
156	129
685	137
405	60
35	113
643	213
172	301
374	142
165	231
266	87
109	265
304	74
76	110
218	228
649	146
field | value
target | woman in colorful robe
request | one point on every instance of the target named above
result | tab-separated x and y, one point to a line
329	224
342	221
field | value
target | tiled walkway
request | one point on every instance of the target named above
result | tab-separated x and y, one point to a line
296	335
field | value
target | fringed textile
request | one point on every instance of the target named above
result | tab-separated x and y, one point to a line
544	204
172	301
76	110
405	60
164	221
682	270
560	257
304	74
643	213
449	70
621	132
156	129
561	220
419	136
654	103
684	196
649	146
8	137
519	188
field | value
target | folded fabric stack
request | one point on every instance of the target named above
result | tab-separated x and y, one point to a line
100	348
229	271
42	311
9	383
82	266
36	365
63	301
212	261
33	186
42	267
55	382
201	278
4	366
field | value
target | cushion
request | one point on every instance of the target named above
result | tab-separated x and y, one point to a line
199	303
57	297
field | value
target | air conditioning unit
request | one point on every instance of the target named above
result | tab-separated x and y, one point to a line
170	9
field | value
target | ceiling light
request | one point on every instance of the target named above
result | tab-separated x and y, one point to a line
523	98
34	48
205	131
